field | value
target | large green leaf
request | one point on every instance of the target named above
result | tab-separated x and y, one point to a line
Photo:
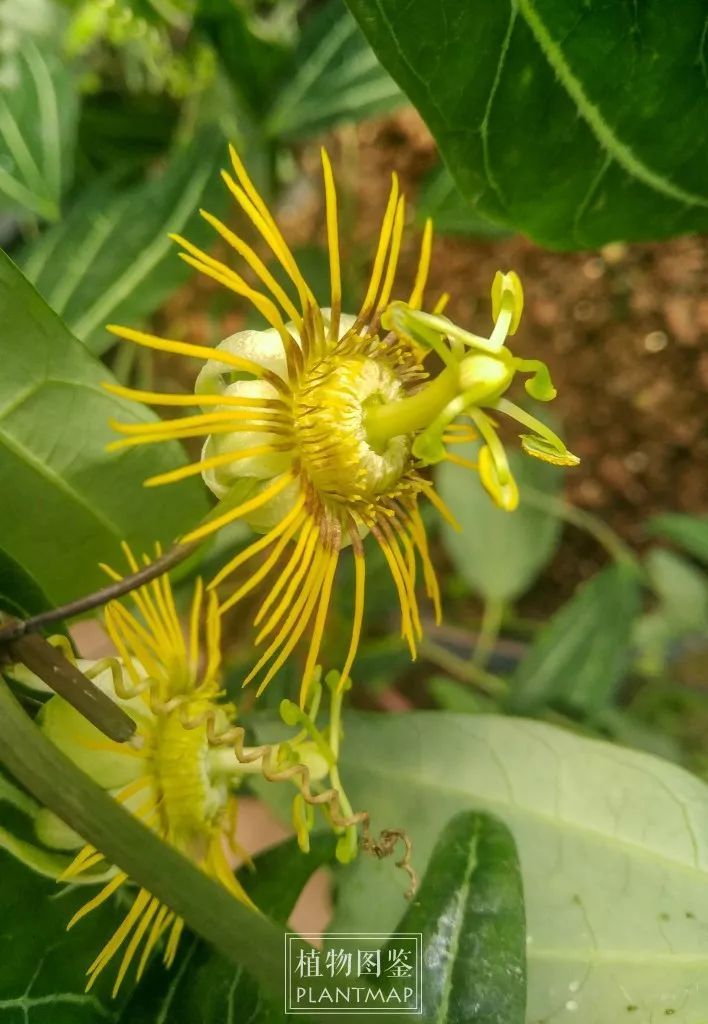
688	532
19	593
38	110
111	259
560	119
42	966
498	553
67	503
452	214
335	77
470	912
613	846
202	987
581	654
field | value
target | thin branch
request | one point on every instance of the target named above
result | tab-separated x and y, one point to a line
100	597
70	683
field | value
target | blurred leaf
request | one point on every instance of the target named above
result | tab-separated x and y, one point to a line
687	532
554	117
119	130
613	847
335	77
681	588
19	594
580	656
42	966
38	111
254	60
110	259
470	911
452	214
67	503
203	987
499	554
453	696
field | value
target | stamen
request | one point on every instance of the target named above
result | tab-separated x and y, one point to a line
333	246
426	245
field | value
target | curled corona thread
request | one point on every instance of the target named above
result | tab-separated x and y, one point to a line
318	429
181	778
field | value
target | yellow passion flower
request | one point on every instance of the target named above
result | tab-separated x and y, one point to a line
318	429
181	775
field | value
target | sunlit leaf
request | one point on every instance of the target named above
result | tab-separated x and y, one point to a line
110	259
497	553
62	493
613	846
38	110
582	652
336	77
560	119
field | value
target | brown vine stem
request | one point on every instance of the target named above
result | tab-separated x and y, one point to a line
171	558
70	683
19	643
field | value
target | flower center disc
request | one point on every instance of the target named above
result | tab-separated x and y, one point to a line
328	413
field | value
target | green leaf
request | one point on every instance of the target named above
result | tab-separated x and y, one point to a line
580	656
681	588
42	966
452	214
66	502
111	259
253	53
498	554
19	594
38	111
554	117
470	911
335	77
453	696
243	937
687	532
204	987
613	847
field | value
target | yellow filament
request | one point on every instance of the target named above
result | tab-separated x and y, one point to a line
265	306
402	590
162	398
458	460
161	922
256	264
319	625
426	244
178	433
272	233
299	560
278	485
184	348
101	897
212	462
135	941
377	270
300	613
335	276
261	543
359	589
266	567
396	236
173	941
119	936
